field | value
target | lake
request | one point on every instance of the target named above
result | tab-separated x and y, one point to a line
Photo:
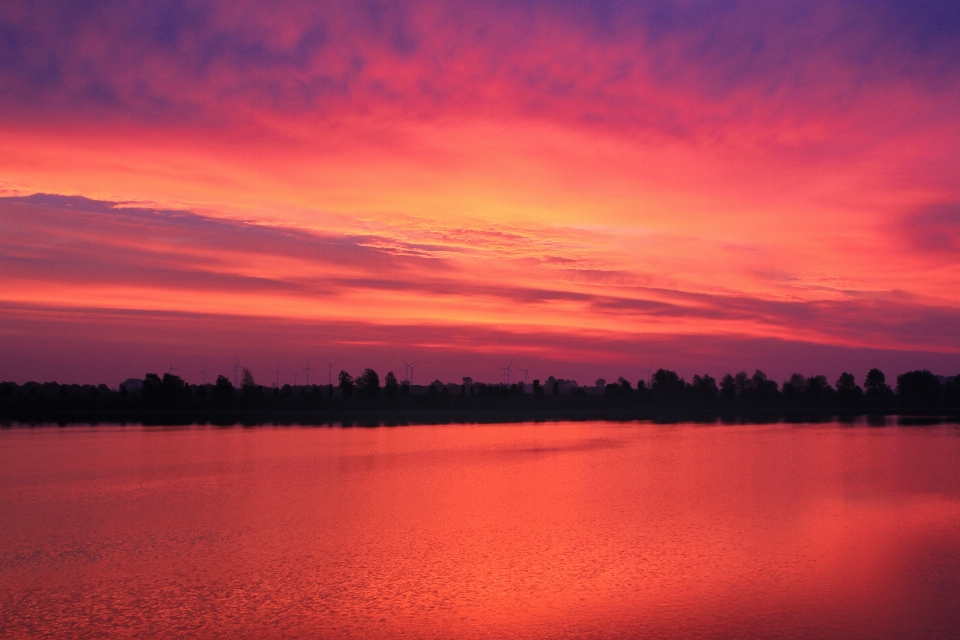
563	530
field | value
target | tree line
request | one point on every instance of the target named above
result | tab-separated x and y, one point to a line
919	392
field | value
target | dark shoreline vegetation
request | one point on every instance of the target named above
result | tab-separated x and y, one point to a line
919	397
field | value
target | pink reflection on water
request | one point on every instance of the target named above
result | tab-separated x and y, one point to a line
526	531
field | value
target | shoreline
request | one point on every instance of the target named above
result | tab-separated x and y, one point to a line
361	417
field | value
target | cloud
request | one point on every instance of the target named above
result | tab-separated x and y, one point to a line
670	68
68	251
934	230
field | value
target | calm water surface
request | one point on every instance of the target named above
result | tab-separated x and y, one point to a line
588	530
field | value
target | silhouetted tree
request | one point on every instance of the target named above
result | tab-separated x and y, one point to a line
744	384
346	385
643	391
875	387
666	384
173	388
391	388
728	388
152	386
764	390
793	388
919	390
818	392
619	389
537	389
368	384
248	386
223	389
705	388
848	393
168	390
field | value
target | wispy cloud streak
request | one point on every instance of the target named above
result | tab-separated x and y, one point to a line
77	252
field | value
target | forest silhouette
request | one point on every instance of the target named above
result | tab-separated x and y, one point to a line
363	400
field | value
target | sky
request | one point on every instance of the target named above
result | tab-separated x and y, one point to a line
581	189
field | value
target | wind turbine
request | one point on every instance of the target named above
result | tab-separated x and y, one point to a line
172	368
526	373
203	375
507	370
276	382
296	377
308	371
411	367
330	366
236	372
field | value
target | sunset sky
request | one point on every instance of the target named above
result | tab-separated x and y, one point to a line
590	189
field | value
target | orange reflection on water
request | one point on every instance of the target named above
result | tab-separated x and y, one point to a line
549	530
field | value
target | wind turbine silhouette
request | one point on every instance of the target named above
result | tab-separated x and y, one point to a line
276	382
203	375
296	377
172	368
410	368
308	371
236	371
507	370
526	373
330	366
